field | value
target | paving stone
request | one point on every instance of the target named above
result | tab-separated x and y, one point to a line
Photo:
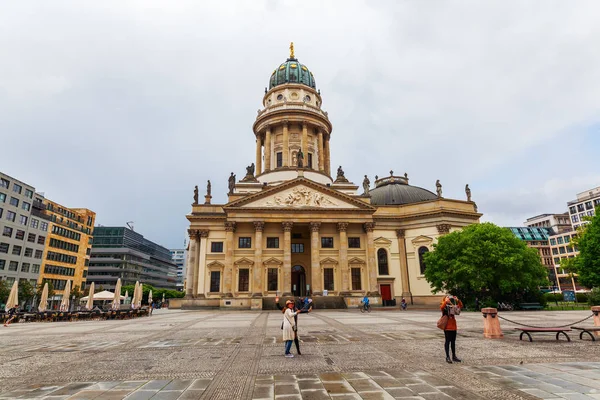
387	382
141	395
200	384
422	388
88	394
540	393
129	385
379	395
263	392
286	389
435	396
113	395
400	392
178	384
155	385
338	388
168	395
312	385
364	385
191	395
315	395
72	388
331	377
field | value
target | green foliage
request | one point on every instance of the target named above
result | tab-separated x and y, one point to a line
157	294
76	291
4	292
40	288
26	290
488	262
581	297
553	297
594	297
588	264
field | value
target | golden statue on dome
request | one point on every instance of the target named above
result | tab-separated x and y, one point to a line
292	50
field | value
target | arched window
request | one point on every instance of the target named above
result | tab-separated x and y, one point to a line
422	251
382	261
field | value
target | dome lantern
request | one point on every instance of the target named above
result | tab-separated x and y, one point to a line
292	71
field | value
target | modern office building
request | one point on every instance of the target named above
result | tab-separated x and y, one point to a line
561	248
67	252
178	257
583	206
558	222
537	238
119	252
23	233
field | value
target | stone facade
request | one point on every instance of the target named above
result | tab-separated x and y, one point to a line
295	231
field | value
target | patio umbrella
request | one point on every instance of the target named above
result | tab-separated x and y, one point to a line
134	295
150	297
13	298
140	295
116	303
44	299
64	304
90	302
126	296
163	298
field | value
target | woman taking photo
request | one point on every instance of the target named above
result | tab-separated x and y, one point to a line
289	327
449	307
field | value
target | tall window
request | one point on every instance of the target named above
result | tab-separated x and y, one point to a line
215	281
245	243
354	242
244	280
327	242
272	279
309	164
13	266
279	160
272	243
328	278
297	248
422	251
356	284
382	261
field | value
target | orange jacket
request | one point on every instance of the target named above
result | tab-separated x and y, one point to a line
451	326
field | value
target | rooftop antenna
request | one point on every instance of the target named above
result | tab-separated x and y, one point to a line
130	225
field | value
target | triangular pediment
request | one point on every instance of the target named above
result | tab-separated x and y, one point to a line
215	264
244	261
422	239
272	261
356	260
329	260
300	193
381	241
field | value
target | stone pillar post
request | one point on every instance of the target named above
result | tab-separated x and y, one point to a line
200	272
228	276
327	158
258	155
191	264
286	145
305	143
491	324
404	277
315	265
371	262
343	257
321	155
257	287
596	311
287	258
268	149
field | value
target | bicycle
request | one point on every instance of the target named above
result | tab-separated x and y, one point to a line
364	307
505	306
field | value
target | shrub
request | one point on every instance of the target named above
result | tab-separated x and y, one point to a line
581	297
553	297
594	297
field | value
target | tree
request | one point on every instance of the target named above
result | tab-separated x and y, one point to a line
588	261
4	292
40	288
571	265
485	261
26	290
76	291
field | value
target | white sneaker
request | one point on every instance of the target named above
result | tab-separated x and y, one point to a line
289	355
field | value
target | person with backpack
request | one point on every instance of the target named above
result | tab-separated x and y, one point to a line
289	327
301	310
450	307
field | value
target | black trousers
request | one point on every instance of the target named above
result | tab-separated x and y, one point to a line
450	342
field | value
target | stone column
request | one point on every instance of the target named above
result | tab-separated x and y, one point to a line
228	278
327	158
343	257
268	149
257	287
404	277
315	266
371	263
286	145
321	155
305	143
200	272
258	155
191	264
287	258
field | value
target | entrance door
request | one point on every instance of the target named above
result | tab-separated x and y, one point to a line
386	292
298	281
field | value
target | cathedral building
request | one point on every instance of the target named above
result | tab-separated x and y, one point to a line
291	228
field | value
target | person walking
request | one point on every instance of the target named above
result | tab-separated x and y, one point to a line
289	327
403	304
449	306
300	309
12	314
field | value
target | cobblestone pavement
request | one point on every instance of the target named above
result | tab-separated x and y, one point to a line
345	355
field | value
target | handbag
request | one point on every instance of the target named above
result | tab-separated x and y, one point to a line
442	322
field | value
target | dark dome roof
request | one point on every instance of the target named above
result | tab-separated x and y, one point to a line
395	190
291	71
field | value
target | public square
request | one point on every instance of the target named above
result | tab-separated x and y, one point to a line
345	355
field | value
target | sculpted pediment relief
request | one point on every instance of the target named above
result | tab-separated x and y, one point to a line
356	260
299	197
215	264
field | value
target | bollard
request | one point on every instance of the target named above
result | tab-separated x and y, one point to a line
596	311
491	324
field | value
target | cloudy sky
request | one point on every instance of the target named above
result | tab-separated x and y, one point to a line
122	107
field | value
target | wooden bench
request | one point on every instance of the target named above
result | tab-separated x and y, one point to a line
588	330
527	331
531	306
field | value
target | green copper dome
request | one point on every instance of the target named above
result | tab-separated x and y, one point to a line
291	71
